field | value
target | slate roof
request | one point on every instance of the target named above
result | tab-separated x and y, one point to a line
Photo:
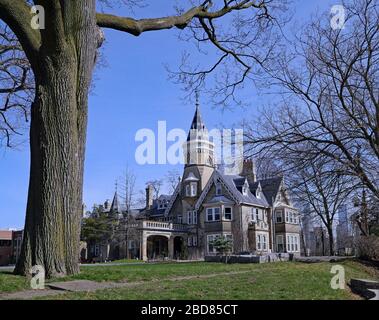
218	199
155	211
235	183
115	207
270	188
197	122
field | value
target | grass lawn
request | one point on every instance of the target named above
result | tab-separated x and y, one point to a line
284	280
10	282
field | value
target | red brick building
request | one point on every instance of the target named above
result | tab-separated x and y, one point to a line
6	247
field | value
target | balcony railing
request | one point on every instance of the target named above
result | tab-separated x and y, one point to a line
159	225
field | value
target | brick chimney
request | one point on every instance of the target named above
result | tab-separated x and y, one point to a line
248	170
149	196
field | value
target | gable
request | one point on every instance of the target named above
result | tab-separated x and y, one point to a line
211	185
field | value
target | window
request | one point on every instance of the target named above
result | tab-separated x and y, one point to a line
228	213
245	188
253	214
260	242
213	214
218	189
279	243
209	214
216	214
180	220
193	189
258	193
194	241
194	217
257	217
264	243
5	243
189	216
293	243
189	241
279	216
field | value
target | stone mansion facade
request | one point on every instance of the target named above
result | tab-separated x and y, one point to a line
256	215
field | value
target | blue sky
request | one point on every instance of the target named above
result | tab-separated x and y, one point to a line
131	93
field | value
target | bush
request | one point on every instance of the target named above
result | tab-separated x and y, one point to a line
368	247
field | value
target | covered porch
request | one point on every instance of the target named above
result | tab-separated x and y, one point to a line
162	240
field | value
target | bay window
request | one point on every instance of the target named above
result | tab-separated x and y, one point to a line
279	216
228	213
213	214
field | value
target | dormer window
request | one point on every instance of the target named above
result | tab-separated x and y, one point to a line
245	188
259	193
191	189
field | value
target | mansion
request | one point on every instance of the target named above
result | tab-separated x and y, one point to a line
256	215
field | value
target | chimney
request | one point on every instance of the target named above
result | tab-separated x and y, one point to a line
149	196
106	204
248	170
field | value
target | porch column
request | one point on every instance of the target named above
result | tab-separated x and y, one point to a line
144	246
171	247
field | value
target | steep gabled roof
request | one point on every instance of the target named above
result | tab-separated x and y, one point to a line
172	199
271	188
235	183
232	184
115	207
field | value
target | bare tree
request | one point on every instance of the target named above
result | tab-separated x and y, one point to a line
172	179
127	186
322	187
62	57
330	96
16	87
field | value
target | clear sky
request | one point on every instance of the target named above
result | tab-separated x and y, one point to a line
131	93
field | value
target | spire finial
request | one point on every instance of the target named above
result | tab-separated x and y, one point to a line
116	185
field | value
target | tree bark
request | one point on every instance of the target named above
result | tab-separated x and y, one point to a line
331	240
57	145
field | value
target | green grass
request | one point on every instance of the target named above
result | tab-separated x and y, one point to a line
11	283
284	280
127	261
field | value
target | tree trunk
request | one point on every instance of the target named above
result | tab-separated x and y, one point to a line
331	240
57	145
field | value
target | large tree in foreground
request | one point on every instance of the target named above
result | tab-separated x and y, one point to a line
62	57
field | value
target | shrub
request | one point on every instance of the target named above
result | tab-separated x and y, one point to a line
368	247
